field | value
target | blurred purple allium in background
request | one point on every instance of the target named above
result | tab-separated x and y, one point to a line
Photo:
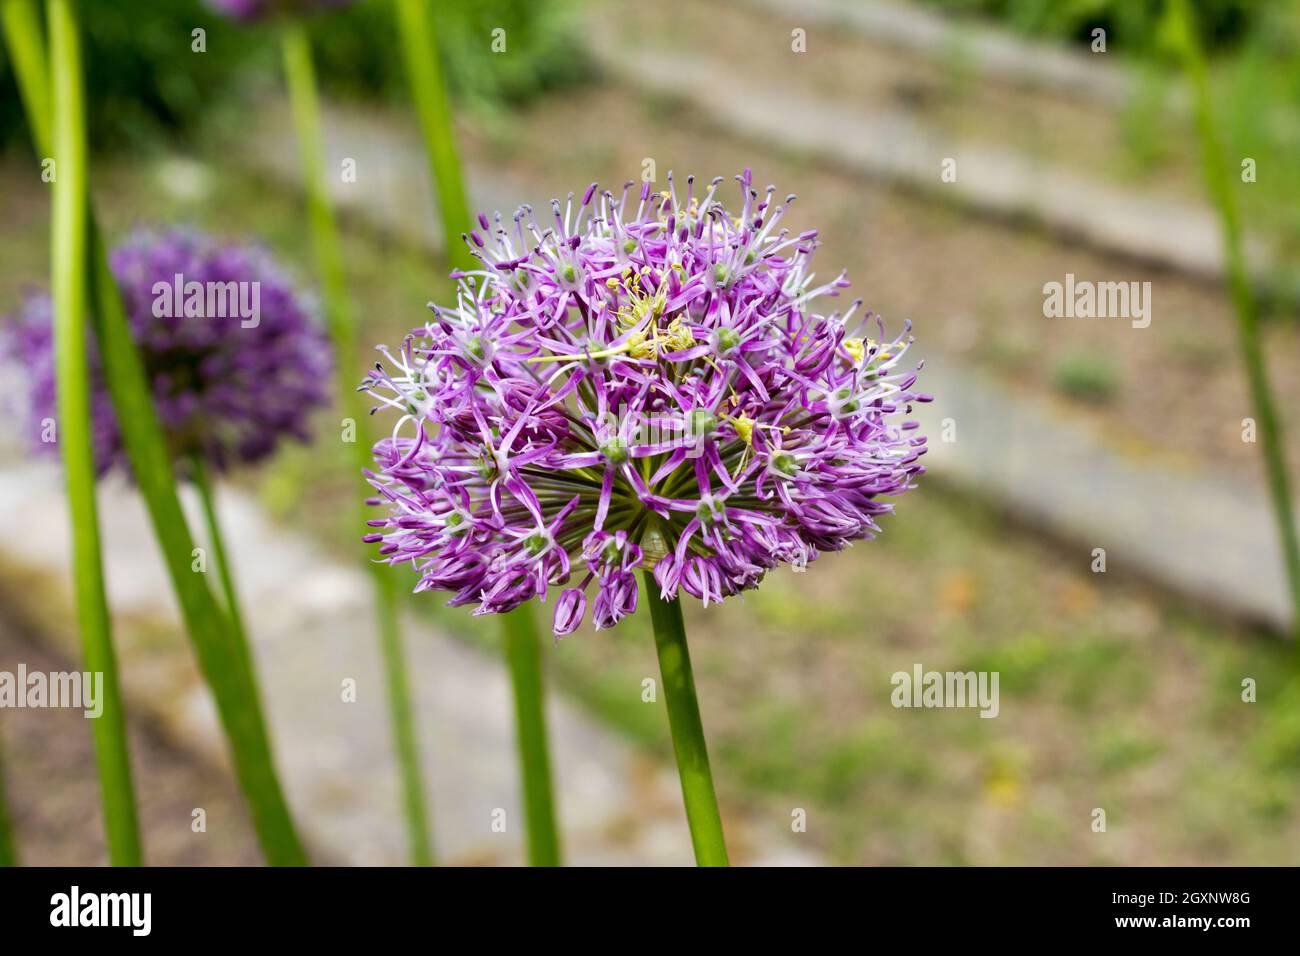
249	10
235	354
640	383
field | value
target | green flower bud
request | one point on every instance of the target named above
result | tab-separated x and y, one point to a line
725	339
784	462
615	451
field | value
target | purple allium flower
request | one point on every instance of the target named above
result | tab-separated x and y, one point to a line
235	355
637	385
247	11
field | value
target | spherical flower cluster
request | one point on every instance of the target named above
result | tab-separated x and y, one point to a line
640	383
234	354
247	11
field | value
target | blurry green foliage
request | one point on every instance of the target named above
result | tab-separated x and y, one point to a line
141	76
1149	131
1258	92
1087	377
1277	745
1119	747
144	80
358	54
1130	23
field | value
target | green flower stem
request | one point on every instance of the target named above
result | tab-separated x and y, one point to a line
219	661
1243	297
687	730
523	653
519	632
402	714
68	268
304	103
8	850
225	574
22	29
300	78
424	70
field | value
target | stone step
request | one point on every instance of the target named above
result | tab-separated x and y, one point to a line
1204	535
895	145
992	52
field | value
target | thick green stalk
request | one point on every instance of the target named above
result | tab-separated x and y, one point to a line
300	77
429	91
523	653
219	661
8	850
402	714
225	574
222	658
68	257
1243	298
26	50
688	732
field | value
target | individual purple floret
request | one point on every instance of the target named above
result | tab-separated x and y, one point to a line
640	383
236	357
247	11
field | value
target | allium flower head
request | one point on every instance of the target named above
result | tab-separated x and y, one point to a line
234	353
247	11
638	382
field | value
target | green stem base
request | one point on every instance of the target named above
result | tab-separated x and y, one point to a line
523	653
8	850
688	732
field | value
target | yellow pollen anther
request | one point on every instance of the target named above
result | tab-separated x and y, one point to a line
679	336
638	347
744	426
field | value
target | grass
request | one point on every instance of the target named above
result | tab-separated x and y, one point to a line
1108	698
